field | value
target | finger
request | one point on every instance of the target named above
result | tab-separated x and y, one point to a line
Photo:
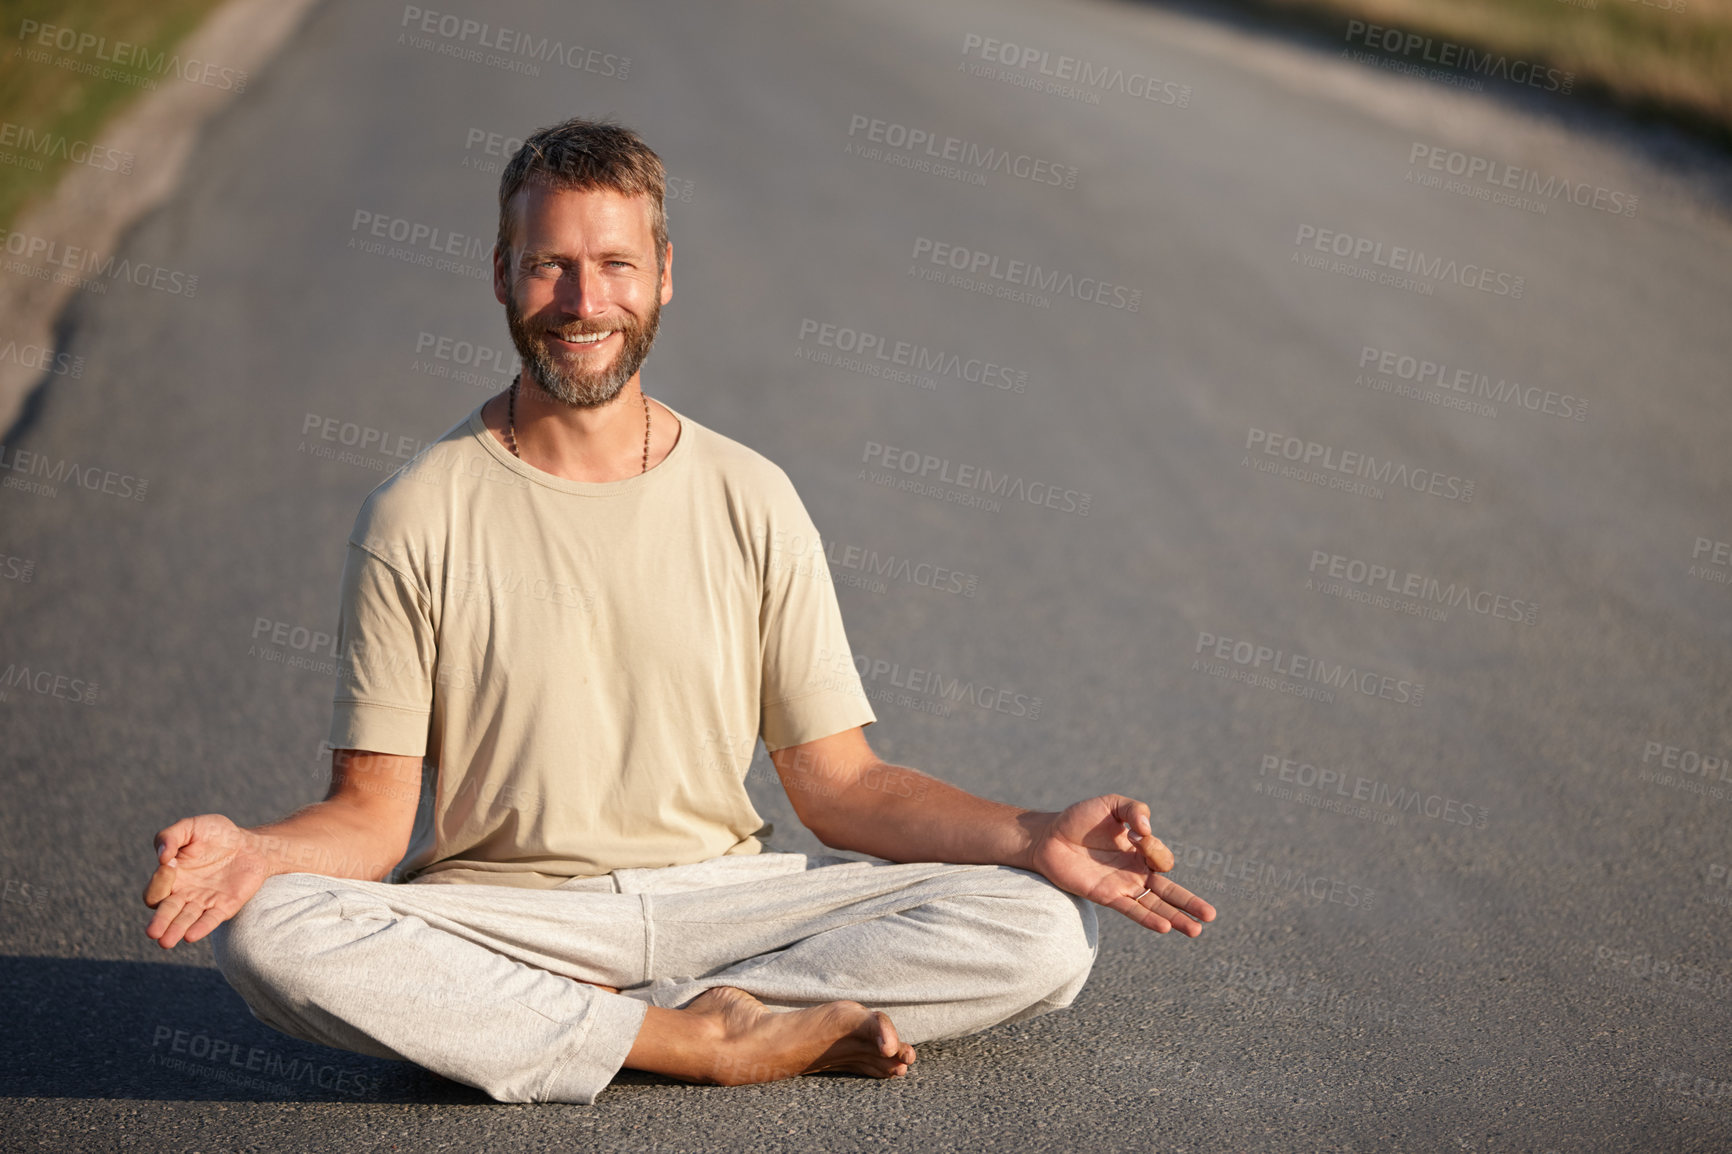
1167	912
161	884
1174	917
207	922
170	840
1141	837
1175	894
1156	854
1129	811
1140	914
183	921
165	915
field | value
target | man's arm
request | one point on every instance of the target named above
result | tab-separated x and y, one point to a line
207	867
1103	849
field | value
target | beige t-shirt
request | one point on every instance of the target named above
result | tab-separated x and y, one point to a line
589	665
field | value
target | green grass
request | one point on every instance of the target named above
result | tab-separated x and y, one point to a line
46	99
1671	63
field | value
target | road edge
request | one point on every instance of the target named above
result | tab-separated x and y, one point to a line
89	210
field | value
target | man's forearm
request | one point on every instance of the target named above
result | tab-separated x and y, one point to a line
328	837
333	838
900	814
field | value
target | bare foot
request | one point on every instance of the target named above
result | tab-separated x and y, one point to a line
732	1039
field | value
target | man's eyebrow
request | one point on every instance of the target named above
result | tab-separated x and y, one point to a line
605	254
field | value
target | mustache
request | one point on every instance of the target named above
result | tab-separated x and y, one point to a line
584	328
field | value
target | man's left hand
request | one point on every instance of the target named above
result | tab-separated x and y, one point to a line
1104	850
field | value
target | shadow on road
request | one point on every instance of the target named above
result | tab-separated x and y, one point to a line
93	1029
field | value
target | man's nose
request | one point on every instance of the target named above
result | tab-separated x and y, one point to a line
583	292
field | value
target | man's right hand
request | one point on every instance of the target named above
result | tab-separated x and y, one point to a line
207	868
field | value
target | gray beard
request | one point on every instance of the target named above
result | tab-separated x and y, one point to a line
576	387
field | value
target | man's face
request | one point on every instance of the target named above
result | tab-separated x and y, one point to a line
580	288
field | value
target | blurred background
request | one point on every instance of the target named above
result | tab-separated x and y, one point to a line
1352	379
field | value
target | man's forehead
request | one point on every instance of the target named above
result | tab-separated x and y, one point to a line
548	205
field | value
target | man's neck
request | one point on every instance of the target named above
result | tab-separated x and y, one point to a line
605	443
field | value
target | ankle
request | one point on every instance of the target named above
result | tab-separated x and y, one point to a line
684	1044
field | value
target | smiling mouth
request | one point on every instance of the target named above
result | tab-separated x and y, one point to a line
582	340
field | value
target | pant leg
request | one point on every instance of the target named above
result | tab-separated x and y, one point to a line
474	982
471	982
944	949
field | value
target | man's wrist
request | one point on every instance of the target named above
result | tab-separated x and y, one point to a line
1033	827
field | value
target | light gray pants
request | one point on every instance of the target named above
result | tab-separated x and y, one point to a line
474	981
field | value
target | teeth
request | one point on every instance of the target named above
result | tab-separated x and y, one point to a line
586	338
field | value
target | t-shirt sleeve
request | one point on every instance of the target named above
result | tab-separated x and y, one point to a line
386	654
810	687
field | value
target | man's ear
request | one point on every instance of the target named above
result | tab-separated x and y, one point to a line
667	273
501	275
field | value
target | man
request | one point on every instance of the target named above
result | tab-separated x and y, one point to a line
576	607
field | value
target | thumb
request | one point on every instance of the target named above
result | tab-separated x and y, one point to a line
170	841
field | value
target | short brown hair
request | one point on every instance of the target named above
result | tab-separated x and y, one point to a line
583	155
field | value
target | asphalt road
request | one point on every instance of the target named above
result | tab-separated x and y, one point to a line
1428	687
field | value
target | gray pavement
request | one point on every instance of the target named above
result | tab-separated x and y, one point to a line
1428	687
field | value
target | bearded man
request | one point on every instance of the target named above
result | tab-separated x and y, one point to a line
573	611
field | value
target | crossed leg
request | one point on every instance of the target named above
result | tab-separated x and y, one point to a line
507	989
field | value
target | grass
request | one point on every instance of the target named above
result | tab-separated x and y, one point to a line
1669	63
46	100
